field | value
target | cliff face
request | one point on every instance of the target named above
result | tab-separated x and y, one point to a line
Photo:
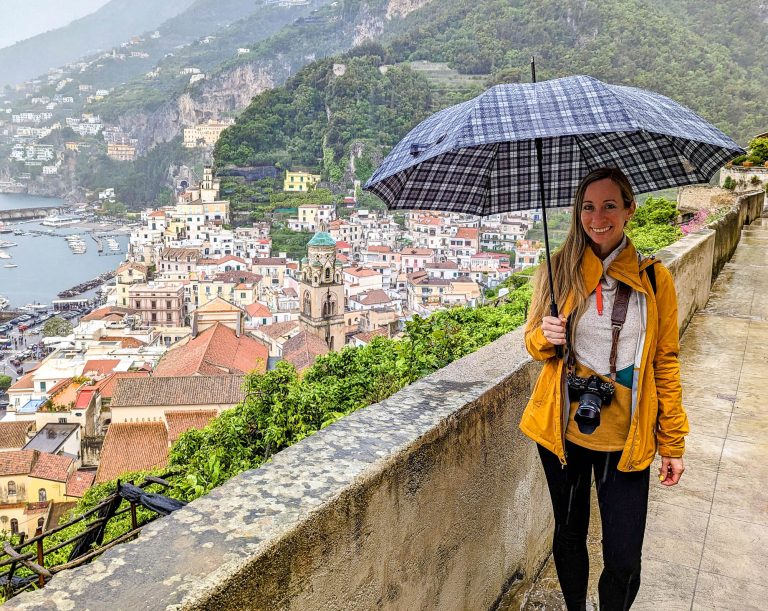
232	90
228	92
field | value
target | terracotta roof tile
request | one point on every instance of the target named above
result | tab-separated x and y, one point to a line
238	276
372	297
105	311
125	342
25	382
258	310
106	387
186	390
13	435
132	446
280	329
216	351
302	350
16	462
181	421
79	481
367	336
100	366
361	272
467	233
51	467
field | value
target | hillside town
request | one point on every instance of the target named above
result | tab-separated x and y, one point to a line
198	304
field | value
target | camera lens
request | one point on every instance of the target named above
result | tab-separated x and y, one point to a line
588	414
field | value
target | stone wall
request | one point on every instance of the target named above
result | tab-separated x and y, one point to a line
431	499
696	260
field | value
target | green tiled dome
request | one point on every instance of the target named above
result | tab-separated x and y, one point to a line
322	238
304	260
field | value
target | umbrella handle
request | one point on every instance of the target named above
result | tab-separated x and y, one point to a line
553	312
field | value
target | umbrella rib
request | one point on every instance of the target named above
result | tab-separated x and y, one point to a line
491	164
672	143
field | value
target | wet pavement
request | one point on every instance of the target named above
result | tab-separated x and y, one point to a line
706	541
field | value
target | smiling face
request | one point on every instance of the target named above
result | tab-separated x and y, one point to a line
603	216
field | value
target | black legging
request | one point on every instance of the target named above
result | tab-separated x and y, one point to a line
623	500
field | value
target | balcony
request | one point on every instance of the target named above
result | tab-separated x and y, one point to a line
431	499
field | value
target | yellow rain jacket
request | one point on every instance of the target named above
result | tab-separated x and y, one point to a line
658	420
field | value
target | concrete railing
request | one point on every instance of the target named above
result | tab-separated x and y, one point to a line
431	499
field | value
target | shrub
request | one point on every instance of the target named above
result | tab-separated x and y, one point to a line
729	183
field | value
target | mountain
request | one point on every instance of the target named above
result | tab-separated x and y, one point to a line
113	23
32	17
705	55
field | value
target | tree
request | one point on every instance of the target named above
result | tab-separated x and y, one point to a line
57	327
5	382
758	148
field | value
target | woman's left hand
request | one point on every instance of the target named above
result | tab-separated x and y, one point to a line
671	470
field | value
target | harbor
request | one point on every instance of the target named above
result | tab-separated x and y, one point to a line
39	262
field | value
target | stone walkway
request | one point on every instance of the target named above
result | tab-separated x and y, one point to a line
706	542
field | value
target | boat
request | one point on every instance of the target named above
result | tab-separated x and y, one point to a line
3	302
4	244
35	307
60	221
10	265
4	255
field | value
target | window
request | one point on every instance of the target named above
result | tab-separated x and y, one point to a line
168	317
153	304
42	386
14	526
42	495
138	304
62	420
154	317
168	305
11	488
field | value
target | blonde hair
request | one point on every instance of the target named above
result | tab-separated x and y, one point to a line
566	262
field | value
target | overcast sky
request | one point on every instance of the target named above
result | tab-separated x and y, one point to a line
25	18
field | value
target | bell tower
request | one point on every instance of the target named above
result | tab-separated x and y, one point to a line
321	292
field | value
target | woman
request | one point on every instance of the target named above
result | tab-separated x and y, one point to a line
644	413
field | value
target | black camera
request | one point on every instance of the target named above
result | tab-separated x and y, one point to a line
592	394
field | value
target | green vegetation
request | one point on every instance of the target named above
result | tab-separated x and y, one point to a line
651	228
137	183
294	243
282	408
56	327
558	223
318	117
5	382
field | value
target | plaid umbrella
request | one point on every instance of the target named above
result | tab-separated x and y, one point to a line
479	157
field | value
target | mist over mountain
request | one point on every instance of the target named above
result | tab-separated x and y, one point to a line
32	17
110	25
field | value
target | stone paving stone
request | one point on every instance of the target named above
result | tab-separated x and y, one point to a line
749	427
703	450
719	592
695	490
665	587
743	498
674	534
736	549
707	421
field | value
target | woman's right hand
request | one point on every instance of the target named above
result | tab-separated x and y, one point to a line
554	329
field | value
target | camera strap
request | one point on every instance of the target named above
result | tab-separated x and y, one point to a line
618	316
